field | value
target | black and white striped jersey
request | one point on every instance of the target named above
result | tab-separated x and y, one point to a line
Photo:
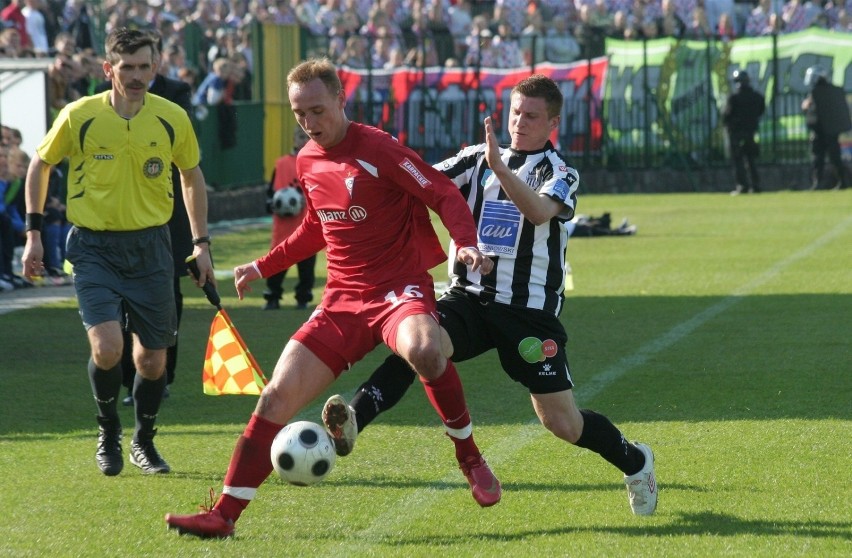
529	260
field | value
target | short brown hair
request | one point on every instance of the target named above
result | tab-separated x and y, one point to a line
316	68
542	87
128	41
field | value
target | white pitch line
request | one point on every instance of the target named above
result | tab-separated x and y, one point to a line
394	520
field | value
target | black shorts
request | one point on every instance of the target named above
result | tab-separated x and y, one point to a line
529	342
132	271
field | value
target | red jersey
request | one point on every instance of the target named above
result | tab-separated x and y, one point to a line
367	205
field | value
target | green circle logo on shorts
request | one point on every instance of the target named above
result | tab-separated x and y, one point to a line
153	167
530	349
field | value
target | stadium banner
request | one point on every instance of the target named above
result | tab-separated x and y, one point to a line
440	110
675	90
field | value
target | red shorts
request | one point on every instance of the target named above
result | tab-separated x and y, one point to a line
351	323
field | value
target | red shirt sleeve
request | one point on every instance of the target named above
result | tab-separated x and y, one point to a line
305	241
437	191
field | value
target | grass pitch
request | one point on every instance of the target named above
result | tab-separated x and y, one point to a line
719	334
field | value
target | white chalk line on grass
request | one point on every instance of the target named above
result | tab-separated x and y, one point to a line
395	519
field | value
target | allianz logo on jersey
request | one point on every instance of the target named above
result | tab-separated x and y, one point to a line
355	214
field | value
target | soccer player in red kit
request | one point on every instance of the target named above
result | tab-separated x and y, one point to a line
368	199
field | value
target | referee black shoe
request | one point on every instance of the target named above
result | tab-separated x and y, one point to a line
144	455
108	456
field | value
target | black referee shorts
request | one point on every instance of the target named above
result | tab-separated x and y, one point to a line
135	268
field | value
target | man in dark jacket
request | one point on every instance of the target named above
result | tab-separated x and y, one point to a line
827	116
742	113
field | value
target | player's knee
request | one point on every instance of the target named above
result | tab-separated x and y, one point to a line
427	360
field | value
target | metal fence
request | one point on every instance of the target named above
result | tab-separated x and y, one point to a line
645	131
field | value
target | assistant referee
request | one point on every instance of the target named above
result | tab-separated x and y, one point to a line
121	144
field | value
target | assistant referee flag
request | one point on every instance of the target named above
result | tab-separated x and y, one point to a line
229	367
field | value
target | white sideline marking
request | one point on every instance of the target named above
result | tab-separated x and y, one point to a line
395	519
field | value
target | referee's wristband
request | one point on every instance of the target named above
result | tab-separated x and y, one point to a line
201	240
34	222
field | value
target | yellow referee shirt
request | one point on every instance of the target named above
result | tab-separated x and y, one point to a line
119	175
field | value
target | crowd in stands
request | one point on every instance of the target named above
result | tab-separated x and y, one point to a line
383	33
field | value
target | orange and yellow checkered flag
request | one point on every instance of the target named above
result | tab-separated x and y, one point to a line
229	367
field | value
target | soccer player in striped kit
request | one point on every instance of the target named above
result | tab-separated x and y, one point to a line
521	197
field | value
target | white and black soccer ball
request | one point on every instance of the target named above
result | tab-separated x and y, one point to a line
287	202
303	453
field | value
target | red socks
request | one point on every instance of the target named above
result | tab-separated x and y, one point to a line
447	397
250	466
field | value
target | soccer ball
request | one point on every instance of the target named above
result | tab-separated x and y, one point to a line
287	202
303	453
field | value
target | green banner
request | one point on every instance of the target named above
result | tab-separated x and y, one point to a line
667	94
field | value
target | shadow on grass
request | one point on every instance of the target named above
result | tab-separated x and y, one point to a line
681	525
633	358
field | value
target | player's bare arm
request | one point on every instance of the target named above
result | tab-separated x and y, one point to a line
538	209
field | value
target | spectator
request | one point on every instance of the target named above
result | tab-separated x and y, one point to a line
356	53
532	37
726	31
459	23
591	31
172	61
480	44
13	17
684	9
698	27
65	43
559	45
715	9
33	12
7	230
240	80
212	89
10	43
14	173
758	22
91	73
64	71
512	13
382	49
328	14
78	24
670	24
794	16
506	47
844	22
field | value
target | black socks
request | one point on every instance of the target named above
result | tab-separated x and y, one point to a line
602	437
382	390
